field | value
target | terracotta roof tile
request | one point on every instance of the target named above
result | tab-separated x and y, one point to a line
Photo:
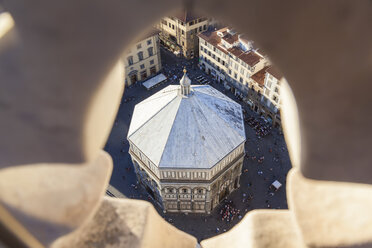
213	39
235	51
251	58
275	72
231	39
259	76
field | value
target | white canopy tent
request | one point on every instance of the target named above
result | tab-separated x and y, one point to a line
152	82
276	184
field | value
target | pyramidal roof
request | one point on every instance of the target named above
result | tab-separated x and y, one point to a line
193	131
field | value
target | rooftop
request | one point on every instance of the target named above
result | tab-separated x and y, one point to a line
259	76
275	72
197	131
149	33
229	38
212	38
249	57
236	51
186	15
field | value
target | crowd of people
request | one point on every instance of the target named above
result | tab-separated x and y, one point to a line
262	129
173	72
228	212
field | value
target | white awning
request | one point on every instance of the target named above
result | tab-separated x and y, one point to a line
276	184
154	81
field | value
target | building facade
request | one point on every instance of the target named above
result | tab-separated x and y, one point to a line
179	32
143	60
233	61
187	146
267	100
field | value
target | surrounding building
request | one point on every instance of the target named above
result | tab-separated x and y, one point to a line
179	32
142	60
268	101
232	60
187	146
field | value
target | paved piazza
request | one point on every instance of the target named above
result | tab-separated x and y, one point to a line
266	161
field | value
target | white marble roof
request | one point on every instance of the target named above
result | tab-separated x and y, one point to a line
196	131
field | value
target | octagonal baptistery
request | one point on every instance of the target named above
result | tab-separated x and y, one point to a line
187	146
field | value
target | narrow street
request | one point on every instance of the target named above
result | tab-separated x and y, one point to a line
266	160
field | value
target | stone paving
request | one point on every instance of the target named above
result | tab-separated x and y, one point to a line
256	177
